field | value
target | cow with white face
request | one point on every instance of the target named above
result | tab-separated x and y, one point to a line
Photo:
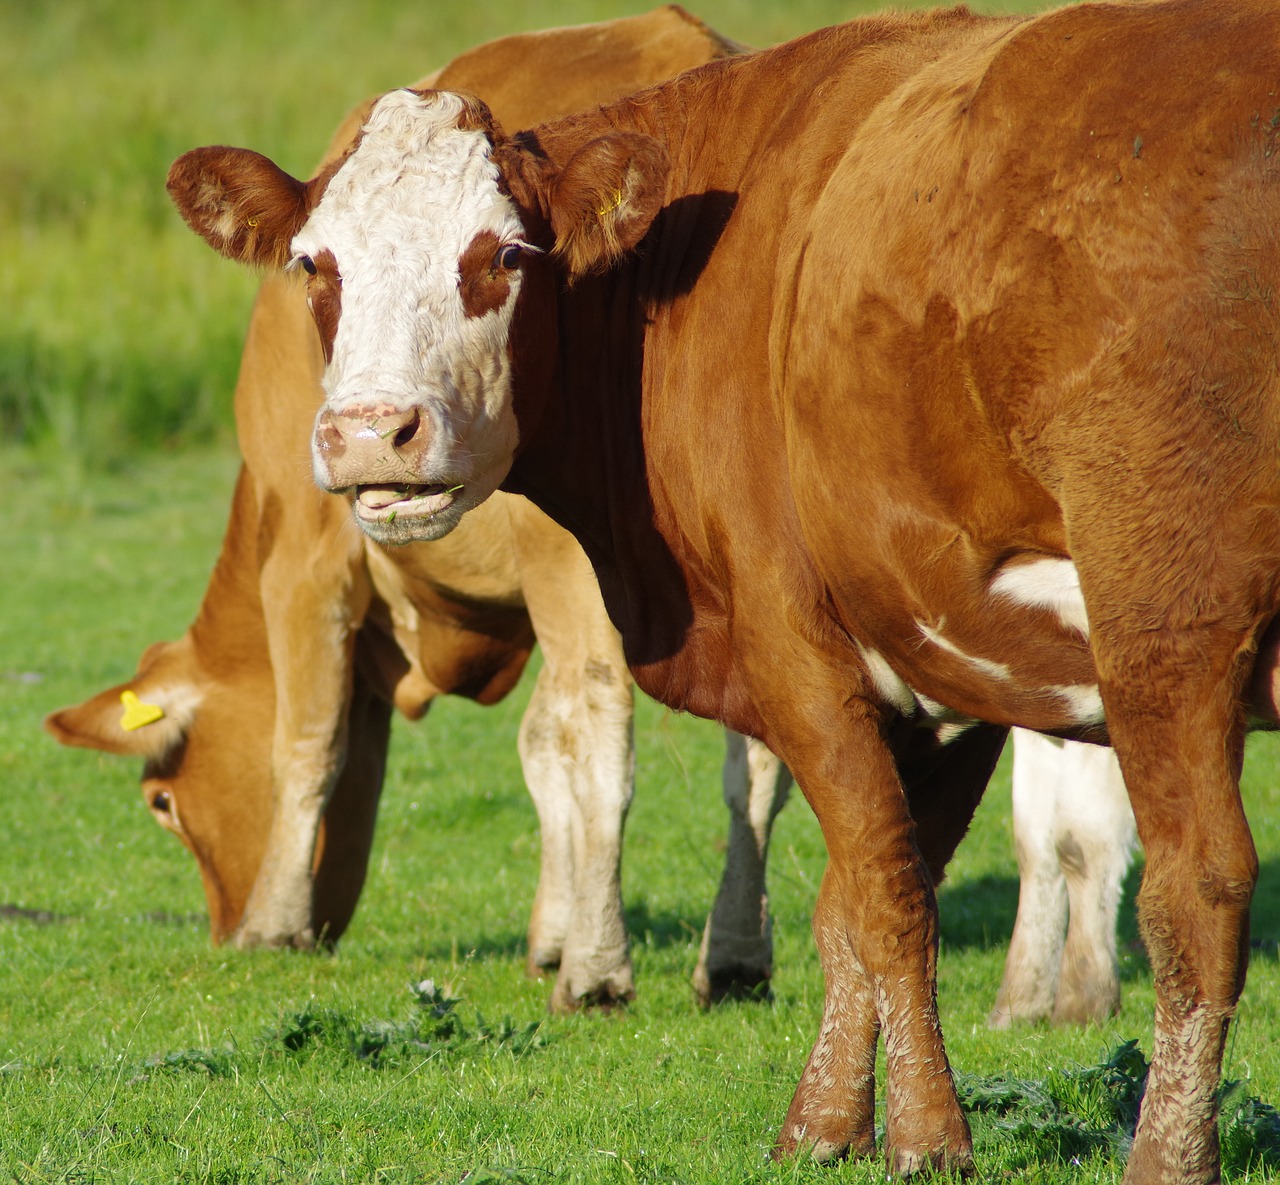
928	407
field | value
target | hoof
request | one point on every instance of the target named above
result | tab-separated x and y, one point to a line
539	962
731	983
901	1163
606	998
244	939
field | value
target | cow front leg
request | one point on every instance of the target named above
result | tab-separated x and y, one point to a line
1193	914
578	755
312	608
736	957
876	926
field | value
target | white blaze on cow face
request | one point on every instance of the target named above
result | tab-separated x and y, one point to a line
418	423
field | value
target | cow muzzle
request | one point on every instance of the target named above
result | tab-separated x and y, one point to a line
378	455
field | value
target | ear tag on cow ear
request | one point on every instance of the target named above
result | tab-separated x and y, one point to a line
609	207
136	713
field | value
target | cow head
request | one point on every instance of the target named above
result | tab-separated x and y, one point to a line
212	791
429	251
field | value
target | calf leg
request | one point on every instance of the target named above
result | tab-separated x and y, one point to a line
346	835
736	957
313	603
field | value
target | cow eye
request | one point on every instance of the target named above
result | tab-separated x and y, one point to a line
308	264
162	801
508	257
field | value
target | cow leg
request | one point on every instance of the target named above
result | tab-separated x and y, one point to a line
346	836
578	755
313	603
1094	847
547	776
877	934
1181	758
1031	967
736	957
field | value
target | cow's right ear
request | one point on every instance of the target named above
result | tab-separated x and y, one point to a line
602	202
242	204
144	717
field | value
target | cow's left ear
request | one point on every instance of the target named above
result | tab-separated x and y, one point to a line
243	205
604	200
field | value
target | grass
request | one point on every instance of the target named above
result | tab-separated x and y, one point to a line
131	1050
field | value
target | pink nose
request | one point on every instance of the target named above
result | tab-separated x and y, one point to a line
370	446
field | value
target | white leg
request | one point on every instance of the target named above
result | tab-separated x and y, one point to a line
1030	981
576	745
737	945
1095	842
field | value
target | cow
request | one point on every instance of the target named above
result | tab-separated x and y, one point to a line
903	383
282	689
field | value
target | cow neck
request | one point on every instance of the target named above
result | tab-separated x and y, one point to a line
585	460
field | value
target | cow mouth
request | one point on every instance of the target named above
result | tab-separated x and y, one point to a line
386	503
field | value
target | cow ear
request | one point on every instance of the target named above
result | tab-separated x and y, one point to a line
143	717
603	201
242	204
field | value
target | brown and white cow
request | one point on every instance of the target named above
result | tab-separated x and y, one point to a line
309	632
904	382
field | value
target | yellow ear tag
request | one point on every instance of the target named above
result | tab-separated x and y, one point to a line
136	713
611	206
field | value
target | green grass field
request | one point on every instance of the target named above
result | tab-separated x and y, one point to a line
130	1050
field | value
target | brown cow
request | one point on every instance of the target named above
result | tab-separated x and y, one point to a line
308	625
941	395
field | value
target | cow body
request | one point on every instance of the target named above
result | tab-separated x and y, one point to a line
940	396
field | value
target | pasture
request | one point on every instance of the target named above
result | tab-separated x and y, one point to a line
130	1049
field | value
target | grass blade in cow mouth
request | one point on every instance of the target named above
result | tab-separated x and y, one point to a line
389	501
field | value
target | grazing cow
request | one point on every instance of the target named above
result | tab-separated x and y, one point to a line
941	395
1074	835
308	633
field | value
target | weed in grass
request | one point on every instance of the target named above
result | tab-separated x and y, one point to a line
1250	1131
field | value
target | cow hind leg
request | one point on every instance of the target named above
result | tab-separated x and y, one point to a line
1032	965
1094	847
736	957
1182	764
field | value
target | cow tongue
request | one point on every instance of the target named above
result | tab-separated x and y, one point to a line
380	497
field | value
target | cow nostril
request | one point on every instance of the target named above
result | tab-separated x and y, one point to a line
407	433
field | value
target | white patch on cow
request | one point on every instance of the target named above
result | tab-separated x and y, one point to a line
887	683
1083	700
994	670
948	722
1049	583
397	217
